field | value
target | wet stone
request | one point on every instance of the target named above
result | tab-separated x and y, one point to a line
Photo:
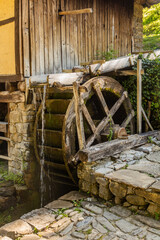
154	157
121	211
31	237
67	230
147	167
39	218
151	236
73	196
153	230
59	204
110	216
78	235
103	221
130	177
125	226
156	186
148	221
83	224
17	227
92	207
99	227
94	235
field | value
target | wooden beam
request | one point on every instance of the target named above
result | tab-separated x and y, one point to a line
102	100
79	117
146	119
5	139
74	12
128	119
66	79
129	72
5	158
3	127
93	62
103	150
14	97
139	96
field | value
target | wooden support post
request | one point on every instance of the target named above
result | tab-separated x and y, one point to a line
79	116
74	12
139	96
147	120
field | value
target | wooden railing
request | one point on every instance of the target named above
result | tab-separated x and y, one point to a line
4	129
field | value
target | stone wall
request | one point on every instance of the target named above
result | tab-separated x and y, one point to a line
21	150
131	179
137	44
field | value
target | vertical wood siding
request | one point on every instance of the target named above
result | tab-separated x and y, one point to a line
52	43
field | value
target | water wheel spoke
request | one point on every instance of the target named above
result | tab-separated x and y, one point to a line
102	100
79	117
88	117
128	119
106	120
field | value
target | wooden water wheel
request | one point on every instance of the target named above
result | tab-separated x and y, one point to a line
105	106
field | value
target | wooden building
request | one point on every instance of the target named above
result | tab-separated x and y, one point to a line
40	37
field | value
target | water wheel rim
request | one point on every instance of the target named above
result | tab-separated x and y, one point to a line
106	83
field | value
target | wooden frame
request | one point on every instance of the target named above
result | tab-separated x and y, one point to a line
17	76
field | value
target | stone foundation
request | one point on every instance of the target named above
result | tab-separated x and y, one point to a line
21	149
131	179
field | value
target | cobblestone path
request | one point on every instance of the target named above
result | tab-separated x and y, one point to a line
70	217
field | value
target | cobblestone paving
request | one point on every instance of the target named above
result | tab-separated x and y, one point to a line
81	217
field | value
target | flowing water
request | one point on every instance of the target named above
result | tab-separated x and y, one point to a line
42	184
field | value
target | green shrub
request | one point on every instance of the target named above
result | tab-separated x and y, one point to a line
150	90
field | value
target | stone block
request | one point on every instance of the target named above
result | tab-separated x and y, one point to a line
136	200
39	218
15	117
119	190
17	227
102	181
118	201
153	209
12	129
154	197
105	193
130	177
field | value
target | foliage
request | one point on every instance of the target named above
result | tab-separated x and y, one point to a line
151	27
108	55
150	89
16	178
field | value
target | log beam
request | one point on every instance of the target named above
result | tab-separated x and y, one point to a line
75	12
106	149
14	97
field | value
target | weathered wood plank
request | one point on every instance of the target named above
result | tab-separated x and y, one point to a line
65	78
74	12
5	158
25	31
139	96
14	97
79	117
146	119
103	150
5	139
3	127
